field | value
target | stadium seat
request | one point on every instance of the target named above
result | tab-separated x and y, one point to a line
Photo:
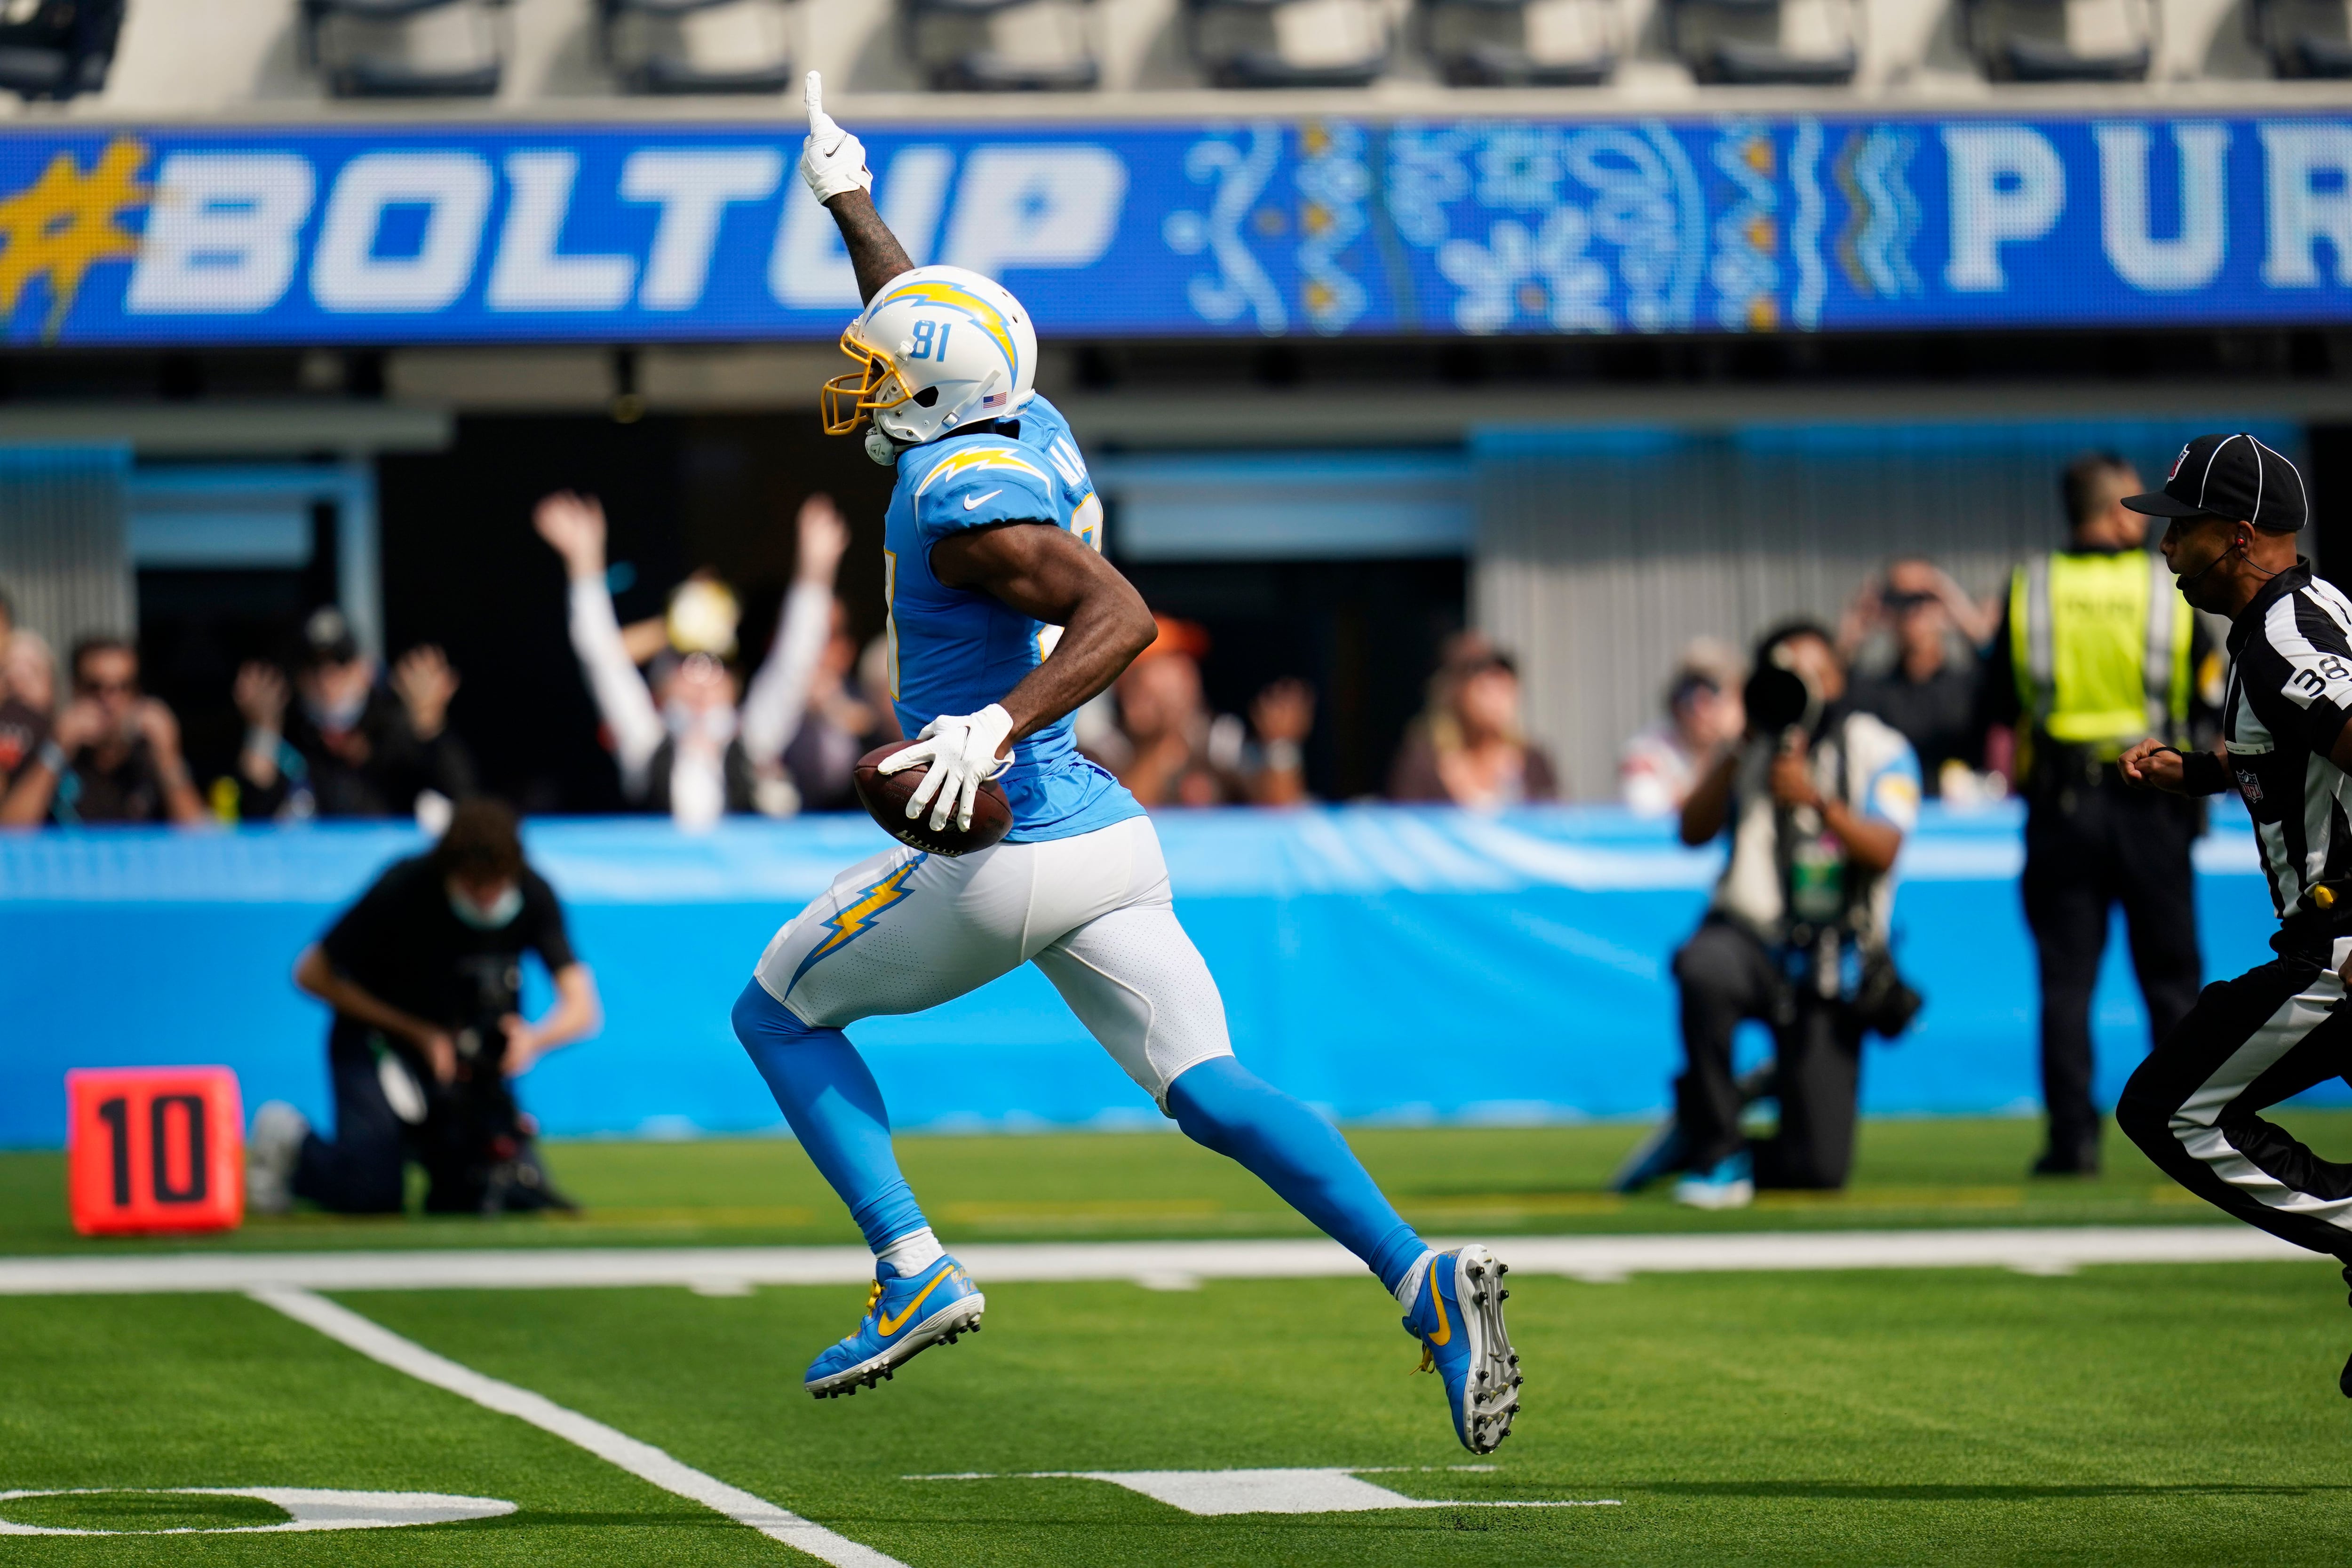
2303	37
1810	43
1003	45
1522	43
697	46
2062	40
1290	43
406	48
60	49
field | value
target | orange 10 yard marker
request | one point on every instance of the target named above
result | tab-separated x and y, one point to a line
154	1149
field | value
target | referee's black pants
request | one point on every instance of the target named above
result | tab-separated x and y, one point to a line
2195	1104
2087	849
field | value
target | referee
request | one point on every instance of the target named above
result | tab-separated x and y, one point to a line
2195	1105
2097	650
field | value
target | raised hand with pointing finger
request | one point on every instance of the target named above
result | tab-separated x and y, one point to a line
832	159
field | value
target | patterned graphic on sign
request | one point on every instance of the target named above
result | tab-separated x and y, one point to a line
1574	229
675	232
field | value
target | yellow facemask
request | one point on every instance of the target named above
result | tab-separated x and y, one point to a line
874	385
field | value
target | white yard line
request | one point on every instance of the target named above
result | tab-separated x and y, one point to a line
640	1459
1159	1265
1209	1493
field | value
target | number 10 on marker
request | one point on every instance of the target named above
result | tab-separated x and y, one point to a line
154	1149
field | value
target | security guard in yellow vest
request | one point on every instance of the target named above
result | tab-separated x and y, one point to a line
2097	650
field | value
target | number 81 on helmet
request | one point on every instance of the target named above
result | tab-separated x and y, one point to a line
938	348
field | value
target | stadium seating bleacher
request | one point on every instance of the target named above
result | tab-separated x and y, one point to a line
1290	43
1522	43
406	48
1809	43
2062	40
1003	45
2303	37
60	49
1139	58
664	47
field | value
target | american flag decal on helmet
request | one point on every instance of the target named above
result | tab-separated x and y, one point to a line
2176	466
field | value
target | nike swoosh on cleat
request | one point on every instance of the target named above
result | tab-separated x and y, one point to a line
890	1325
971	501
1444	1333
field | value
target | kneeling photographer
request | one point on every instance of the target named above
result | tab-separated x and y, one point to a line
1817	799
424	975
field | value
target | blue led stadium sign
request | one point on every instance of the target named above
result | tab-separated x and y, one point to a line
1315	227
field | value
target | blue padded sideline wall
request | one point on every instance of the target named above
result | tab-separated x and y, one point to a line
1387	963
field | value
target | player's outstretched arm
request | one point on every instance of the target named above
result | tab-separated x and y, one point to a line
874	250
832	161
1046	573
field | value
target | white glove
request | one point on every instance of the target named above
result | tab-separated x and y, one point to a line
962	755
832	159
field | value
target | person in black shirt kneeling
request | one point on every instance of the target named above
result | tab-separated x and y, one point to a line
424	975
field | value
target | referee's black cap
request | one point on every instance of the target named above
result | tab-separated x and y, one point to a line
2233	477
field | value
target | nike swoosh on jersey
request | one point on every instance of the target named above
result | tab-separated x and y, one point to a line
971	501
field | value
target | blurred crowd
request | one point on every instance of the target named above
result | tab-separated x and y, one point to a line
327	734
332	732
695	731
100	750
1918	646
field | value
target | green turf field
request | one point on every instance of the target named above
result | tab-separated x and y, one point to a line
1104	1186
2121	1415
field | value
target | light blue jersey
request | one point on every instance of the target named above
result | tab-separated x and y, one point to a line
956	650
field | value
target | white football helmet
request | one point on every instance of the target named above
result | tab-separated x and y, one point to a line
938	348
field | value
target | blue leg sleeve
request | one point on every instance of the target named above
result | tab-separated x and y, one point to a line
829	1096
1221	1105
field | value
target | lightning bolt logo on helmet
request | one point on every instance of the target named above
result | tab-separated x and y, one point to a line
938	348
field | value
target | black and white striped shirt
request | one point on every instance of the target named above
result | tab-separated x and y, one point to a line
2289	696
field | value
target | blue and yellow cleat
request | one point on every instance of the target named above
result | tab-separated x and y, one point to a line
904	1316
1459	1321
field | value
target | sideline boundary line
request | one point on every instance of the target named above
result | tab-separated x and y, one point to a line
1156	1265
643	1461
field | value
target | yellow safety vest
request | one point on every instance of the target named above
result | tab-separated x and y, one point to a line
2100	644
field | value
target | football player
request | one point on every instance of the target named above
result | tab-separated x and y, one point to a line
1003	618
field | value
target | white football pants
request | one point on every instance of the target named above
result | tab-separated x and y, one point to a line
907	931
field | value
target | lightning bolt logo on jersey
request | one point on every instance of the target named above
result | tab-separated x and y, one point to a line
956	651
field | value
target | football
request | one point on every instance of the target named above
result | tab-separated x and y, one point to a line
885	797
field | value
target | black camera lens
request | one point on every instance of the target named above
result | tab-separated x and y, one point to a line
1777	699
